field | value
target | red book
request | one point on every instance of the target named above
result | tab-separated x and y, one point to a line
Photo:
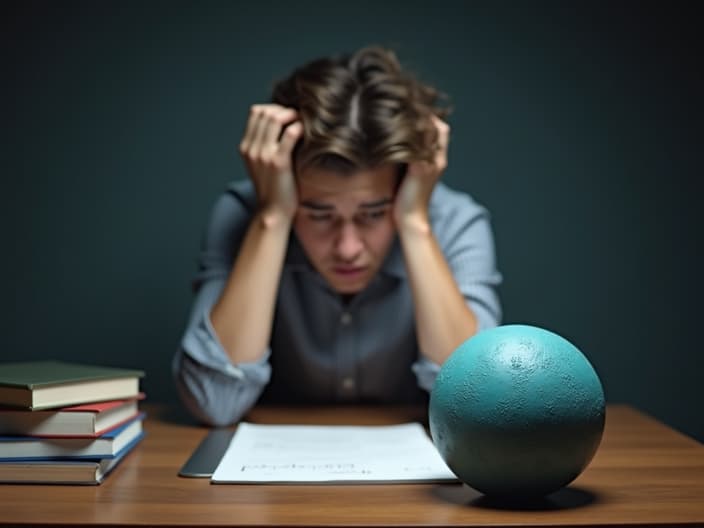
89	420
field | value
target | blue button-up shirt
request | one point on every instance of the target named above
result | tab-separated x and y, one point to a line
323	349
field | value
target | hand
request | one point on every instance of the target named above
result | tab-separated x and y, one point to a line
413	196
267	154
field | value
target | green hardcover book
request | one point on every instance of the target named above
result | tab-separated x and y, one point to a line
47	384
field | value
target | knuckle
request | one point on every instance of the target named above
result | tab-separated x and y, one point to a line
284	115
292	131
279	118
267	113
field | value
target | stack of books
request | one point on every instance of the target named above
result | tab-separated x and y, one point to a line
66	423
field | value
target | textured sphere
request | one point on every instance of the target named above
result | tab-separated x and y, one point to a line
517	411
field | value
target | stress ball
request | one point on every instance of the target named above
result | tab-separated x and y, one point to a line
517	411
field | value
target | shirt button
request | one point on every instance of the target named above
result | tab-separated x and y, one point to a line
348	383
346	318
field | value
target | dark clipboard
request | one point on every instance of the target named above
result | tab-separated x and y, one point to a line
207	456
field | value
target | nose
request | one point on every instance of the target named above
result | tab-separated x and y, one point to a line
349	244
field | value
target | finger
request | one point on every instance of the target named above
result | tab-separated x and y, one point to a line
291	135
416	169
259	132
250	128
442	142
443	131
278	118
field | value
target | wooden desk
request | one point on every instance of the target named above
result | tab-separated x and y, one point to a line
644	474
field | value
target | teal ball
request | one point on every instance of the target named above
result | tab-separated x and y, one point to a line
517	411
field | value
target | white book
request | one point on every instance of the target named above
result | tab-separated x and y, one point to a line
93	419
51	384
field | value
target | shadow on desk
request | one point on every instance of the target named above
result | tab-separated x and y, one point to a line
567	498
174	414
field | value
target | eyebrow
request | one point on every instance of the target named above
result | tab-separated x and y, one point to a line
378	203
316	206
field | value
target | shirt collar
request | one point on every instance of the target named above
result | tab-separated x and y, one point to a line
296	258
394	264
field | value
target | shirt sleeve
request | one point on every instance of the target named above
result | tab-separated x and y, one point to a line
465	235
463	230
213	389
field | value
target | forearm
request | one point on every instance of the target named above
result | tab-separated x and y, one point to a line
242	316
443	318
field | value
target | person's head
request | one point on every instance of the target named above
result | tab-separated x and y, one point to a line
364	120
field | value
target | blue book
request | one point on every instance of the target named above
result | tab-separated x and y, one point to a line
107	446
62	471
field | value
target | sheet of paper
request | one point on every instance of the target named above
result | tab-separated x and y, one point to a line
304	453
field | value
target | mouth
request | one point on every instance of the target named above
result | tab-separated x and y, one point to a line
349	271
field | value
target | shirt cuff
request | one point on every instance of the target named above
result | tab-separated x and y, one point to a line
426	371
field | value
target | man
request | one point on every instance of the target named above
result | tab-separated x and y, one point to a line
342	271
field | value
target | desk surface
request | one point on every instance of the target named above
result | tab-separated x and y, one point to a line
644	474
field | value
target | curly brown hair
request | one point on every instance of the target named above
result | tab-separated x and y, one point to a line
360	111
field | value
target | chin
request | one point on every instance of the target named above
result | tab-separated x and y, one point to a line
348	289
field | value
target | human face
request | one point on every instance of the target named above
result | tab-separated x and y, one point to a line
344	223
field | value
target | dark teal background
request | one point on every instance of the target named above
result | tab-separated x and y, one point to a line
578	125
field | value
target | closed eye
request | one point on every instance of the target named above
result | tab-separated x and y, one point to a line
320	217
372	215
377	214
